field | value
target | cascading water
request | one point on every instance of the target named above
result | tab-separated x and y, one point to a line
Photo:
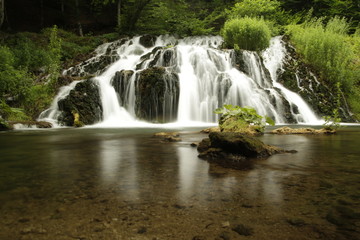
185	80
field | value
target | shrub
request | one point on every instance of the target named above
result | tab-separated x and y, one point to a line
12	114
13	82
39	98
247	33
242	119
255	8
325	47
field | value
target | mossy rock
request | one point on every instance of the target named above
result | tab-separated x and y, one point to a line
288	130
244	145
235	150
232	124
84	100
157	95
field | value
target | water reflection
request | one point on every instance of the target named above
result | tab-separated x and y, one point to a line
192	173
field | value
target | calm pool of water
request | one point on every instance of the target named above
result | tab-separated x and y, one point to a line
126	184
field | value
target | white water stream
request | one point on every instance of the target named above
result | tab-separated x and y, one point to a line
207	79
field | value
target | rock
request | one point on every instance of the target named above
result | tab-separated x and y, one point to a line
157	95
30	124
225	236
243	230
241	144
168	136
98	63
171	139
225	224
204	145
43	124
296	222
288	130
121	82
154	55
165	134
235	150
142	230
199	238
83	101
147	41
194	144
211	129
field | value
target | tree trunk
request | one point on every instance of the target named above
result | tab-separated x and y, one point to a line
78	18
118	14
62	7
137	13
2	12
42	13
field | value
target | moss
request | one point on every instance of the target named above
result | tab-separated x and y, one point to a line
77	122
233	124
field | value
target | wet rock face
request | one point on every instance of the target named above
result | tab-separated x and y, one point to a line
157	95
159	56
302	79
83	100
235	150
147	41
97	64
121	82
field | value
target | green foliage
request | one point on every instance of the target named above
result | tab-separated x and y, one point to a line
163	17
13	82
255	8
39	98
235	118
12	114
325	47
333	122
54	49
247	33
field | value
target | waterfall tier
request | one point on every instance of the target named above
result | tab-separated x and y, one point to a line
165	79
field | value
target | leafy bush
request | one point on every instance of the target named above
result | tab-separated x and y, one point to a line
332	52
12	114
247	33
38	99
13	82
242	119
325	47
255	8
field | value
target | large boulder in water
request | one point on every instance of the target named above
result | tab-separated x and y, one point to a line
235	150
157	95
83	104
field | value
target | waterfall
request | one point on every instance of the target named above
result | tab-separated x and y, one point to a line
185	80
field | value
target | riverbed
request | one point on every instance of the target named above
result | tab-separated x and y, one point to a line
126	184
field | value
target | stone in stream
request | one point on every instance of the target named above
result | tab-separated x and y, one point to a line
168	136
243	230
235	150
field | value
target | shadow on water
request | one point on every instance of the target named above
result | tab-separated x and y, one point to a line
109	183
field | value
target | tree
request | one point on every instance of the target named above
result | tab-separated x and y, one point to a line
99	3
78	18
255	8
2	12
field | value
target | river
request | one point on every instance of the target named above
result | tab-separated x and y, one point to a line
126	184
